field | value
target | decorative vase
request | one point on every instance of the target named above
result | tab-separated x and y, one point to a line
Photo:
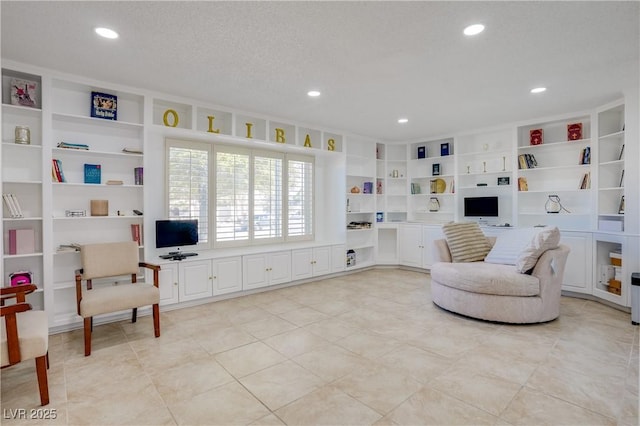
434	204
553	205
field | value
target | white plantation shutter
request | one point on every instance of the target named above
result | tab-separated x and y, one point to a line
300	197
188	183
232	194
267	195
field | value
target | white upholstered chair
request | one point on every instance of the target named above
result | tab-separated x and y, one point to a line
24	334
109	260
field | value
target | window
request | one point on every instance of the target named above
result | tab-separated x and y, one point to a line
256	196
188	184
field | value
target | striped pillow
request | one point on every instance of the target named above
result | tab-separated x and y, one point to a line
466	241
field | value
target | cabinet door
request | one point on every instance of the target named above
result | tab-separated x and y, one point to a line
280	267
255	272
321	261
168	283
410	245
195	280
429	235
301	264
227	275
577	272
338	258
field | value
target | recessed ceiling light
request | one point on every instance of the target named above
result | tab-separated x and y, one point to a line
474	29
538	90
106	33
403	120
313	93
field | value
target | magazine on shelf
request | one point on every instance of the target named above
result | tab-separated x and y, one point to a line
104	105
92	173
70	145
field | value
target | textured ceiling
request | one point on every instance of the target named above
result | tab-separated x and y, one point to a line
373	61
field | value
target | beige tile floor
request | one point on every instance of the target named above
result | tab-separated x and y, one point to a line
367	348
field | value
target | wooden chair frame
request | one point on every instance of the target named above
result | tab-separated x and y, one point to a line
9	313
88	322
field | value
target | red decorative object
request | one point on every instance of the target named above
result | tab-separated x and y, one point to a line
535	136
574	131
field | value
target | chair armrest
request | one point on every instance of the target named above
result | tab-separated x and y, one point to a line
14	309
18	292
155	269
11	327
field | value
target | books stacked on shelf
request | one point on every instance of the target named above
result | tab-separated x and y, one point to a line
56	171
136	233
92	173
585	155
415	188
522	184
11	201
527	161
131	151
69	145
586	181
71	247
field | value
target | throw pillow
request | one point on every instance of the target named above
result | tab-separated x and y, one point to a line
545	239
466	241
509	244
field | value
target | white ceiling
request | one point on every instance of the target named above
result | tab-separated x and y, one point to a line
373	61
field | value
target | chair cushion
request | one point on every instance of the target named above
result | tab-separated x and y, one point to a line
33	336
466	241
545	239
109	259
486	278
117	298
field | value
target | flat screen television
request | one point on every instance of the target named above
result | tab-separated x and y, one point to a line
176	233
481	206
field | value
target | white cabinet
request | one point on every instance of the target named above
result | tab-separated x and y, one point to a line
227	275
261	270
195	278
410	243
338	258
577	273
429	235
167	283
310	262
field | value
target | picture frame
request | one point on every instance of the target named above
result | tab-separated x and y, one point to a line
24	92
504	180
621	207
422	152
435	169
445	149
380	217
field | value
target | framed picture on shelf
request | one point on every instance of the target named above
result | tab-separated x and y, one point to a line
104	105
435	169
621	207
24	92
422	152
379	217
444	149
503	180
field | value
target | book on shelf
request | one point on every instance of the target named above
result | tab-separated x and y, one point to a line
445	149
621	156
24	92
69	145
536	137
104	105
11	201
92	173
68	247
114	182
136	233
415	188
527	161
56	171
422	152
21	241
585	183
621	179
379	187
131	151
585	155
574	131
138	176
522	184
367	187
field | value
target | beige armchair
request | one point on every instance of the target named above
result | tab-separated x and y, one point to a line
24	334
111	260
